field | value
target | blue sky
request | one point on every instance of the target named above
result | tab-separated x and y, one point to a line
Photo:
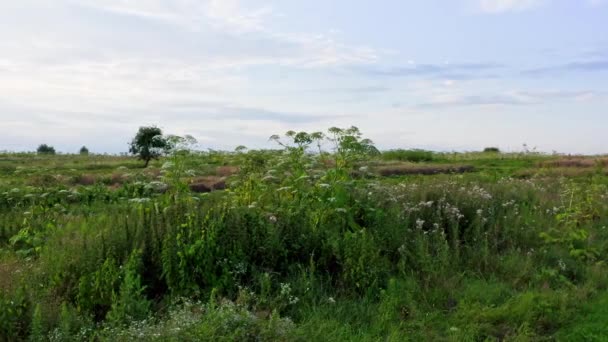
444	75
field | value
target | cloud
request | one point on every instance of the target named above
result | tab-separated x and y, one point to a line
372	89
597	2
462	71
154	57
514	98
193	15
587	66
501	6
219	111
246	31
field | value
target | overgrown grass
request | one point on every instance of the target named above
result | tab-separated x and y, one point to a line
301	247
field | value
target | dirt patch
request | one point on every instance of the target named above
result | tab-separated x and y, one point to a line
207	184
225	171
569	172
576	162
84	180
9	272
399	170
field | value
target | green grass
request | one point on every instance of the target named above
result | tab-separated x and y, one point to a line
590	324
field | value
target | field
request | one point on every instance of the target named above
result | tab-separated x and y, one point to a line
291	245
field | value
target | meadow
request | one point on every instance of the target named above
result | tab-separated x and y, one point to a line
322	239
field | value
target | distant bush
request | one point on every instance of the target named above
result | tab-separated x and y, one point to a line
491	150
415	155
45	149
84	151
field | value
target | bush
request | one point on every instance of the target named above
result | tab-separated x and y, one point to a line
84	151
491	150
415	155
45	149
14	316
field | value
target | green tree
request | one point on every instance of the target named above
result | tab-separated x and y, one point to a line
45	149
149	143
84	151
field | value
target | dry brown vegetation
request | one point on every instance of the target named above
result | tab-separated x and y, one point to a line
207	184
9	268
84	180
558	172
576	161
224	171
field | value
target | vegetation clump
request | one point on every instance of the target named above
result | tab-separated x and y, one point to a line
149	143
414	156
491	150
45	149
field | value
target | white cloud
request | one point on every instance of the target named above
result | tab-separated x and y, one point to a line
500	6
243	27
63	65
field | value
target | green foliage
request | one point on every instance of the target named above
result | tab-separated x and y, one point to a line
84	151
130	303
415	155
491	150
45	149
15	315
149	144
37	329
96	291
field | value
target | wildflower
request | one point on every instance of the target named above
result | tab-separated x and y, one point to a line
272	218
419	223
285	288
167	165
426	204
331	300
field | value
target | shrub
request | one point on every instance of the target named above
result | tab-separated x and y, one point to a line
415	155
84	151
15	316
130	304
45	149
491	150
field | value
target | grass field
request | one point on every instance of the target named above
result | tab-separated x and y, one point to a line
296	246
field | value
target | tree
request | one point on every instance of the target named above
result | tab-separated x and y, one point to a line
491	150
45	149
149	144
84	151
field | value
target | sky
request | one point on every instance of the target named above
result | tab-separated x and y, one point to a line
448	75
